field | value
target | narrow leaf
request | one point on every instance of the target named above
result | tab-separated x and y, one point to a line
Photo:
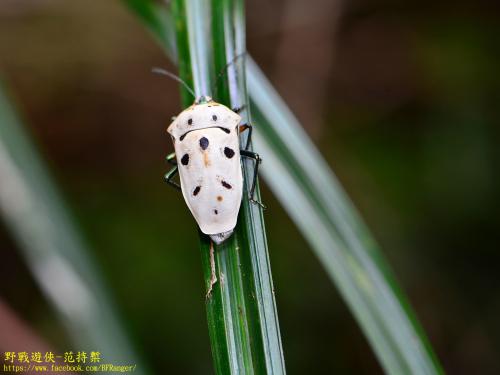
32	208
241	310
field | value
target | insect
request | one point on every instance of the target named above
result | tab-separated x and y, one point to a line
207	158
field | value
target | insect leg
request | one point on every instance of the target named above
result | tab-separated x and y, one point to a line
258	160
171	159
239	109
248	127
170	175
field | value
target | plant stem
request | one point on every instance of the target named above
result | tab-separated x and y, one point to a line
241	310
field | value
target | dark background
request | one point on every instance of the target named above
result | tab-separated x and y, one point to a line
402	100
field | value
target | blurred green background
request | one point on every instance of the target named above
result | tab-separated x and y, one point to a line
401	98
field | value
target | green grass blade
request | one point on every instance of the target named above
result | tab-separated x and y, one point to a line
33	211
312	196
159	21
241	312
309	191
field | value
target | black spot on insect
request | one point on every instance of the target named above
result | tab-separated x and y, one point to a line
190	121
228	152
214	117
203	143
196	190
226	185
185	159
216	212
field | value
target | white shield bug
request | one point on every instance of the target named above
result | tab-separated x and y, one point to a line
207	158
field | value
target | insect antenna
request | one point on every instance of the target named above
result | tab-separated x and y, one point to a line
174	77
223	71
